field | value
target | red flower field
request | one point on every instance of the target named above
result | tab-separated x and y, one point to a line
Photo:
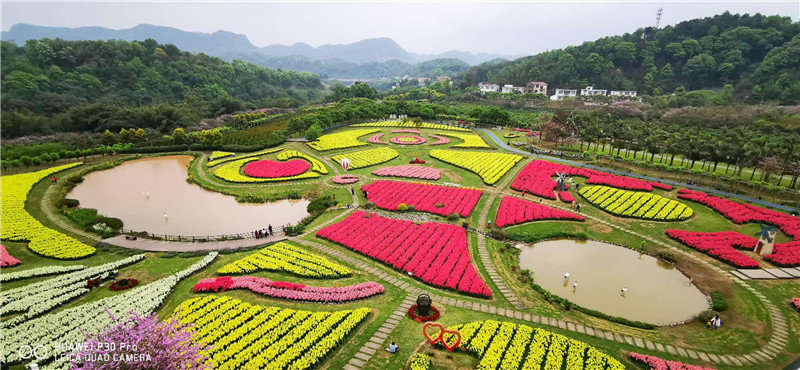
272	169
433	252
424	197
514	211
722	245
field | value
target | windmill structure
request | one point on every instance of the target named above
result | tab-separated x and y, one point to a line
766	239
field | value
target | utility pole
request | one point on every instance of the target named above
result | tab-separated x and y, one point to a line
658	16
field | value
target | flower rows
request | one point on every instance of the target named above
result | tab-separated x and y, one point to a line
376	139
489	166
420	361
536	178
786	254
741	213
242	156
471	140
316	165
72	324
432	252
366	158
411	172
440	140
514	211
506	345
239	335
232	172
286	257
720	245
19	225
270	169
340	140
6	259
217	155
407	140
407	131
289	291
424	197
656	363
636	204
435	126
39	271
565	196
345	179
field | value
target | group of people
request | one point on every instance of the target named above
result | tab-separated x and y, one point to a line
714	323
263	233
53	180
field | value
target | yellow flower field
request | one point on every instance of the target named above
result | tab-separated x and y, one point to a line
369	157
635	204
340	140
488	165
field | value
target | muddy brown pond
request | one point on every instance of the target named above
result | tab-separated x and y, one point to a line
142	191
656	292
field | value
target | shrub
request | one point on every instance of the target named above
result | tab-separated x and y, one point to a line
453	217
321	203
717	302
69	203
83	216
112	222
668	256
439	205
412	208
369	205
497	233
402	207
705	316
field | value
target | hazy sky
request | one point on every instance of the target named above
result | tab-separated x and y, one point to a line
495	27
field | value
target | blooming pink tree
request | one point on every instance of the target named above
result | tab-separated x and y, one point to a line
127	345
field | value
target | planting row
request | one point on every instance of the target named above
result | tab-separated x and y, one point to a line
436	199
411	172
340	140
316	165
635	204
514	211
376	139
39	271
428	125
290	291
440	140
231	172
6	259
239	335
470	140
215	161
288	258
366	158
345	179
408	140
19	225
656	363
722	245
270	169
506	345
489	166
218	154
432	252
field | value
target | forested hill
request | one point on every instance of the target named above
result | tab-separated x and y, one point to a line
56	85
743	50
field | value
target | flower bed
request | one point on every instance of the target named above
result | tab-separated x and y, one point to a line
366	158
217	155
440	140
433	252
489	166
656	363
796	303
511	135
471	140
407	131
376	139
288	258
123	284
345	179
514	211
411	172
407	140
19	225
428	125
566	197
316	165
389	195
506	345
340	140
720	245
420	361
271	169
244	336
785	255
231	172
742	213
242	156
633	204
290	291
414	316
536	178
39	271
6	260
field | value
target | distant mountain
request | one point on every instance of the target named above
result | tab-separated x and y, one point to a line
370	58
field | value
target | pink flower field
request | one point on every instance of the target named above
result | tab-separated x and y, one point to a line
722	246
656	363
6	260
433	252
411	172
537	179
271	169
290	291
376	139
440	140
345	179
566	197
407	140
796	302
424	197
514	211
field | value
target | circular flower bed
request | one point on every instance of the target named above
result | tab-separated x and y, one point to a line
345	179
407	140
123	284
272	169
433	314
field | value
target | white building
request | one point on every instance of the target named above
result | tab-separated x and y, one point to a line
536	87
564	93
487	87
591	91
623	93
507	89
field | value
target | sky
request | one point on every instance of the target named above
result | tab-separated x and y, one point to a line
509	28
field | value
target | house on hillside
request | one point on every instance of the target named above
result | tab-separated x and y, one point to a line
623	93
507	89
591	91
561	94
488	87
443	78
536	87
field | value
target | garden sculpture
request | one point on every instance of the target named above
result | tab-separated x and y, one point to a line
561	180
766	239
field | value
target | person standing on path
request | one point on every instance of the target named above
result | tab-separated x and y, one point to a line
270	229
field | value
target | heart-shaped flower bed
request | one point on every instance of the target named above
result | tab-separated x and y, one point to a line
272	169
345	179
407	140
123	284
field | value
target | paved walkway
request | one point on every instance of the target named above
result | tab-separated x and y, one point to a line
151	245
777	273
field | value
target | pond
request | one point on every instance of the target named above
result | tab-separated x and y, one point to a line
140	192
656	293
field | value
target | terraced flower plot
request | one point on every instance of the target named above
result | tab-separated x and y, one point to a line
635	204
286	257
489	166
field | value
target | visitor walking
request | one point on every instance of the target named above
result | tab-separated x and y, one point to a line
55	180
490	224
270	229
352	191
578	207
392	348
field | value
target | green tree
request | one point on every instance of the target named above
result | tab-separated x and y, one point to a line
700	67
108	138
179	136
313	132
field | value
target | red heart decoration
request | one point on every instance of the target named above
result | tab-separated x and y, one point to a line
444	343
433	325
